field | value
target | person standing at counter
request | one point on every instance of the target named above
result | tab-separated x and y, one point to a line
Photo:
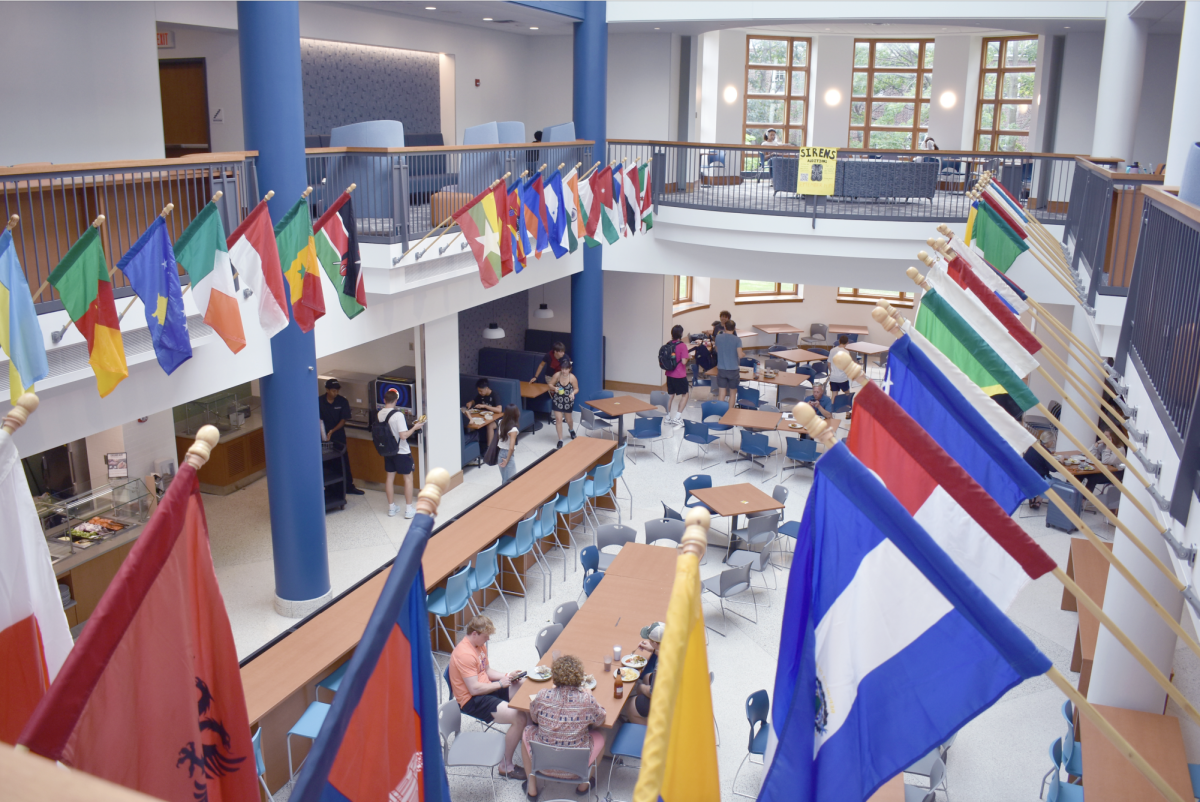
335	411
401	462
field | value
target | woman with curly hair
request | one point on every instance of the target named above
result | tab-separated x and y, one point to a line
562	716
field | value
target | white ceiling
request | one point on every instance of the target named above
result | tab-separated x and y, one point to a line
506	17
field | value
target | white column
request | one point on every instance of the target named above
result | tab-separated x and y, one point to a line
1185	117
1121	69
1074	423
443	432
954	86
829	91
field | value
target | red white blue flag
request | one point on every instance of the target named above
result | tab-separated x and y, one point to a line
379	742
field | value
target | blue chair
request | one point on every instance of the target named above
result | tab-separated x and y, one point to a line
748	362
649	430
758	705
334	680
698	379
486	574
753	445
696	432
697	481
591	582
788	529
518	545
596	396
450	600
598	486
774	349
589	558
1068	712
627	744
1072	753
308	726
843	403
618	463
546	526
802	453
1194	771
573	502
715	409
259	765
1056	763
804	370
747	398
670	513
1063	792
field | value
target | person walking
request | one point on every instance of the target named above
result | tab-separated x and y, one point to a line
839	382
677	385
401	462
563	387
551	363
508	443
729	354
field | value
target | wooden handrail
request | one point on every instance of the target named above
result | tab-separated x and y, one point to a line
454	148
80	167
1116	175
843	150
1169	196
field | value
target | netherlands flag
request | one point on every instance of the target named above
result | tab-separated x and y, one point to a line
887	648
380	742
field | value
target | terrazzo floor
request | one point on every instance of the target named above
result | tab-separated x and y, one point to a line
999	756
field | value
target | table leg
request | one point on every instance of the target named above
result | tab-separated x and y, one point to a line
620	430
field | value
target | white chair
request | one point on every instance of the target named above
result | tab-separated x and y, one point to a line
726	584
575	762
588	420
613	535
477	749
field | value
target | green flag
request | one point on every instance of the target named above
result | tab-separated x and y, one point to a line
999	243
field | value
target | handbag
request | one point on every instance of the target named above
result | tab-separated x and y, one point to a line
492	455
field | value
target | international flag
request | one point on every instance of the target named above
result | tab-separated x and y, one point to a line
618	197
1000	244
960	515
20	334
379	742
533	201
557	215
962	274
480	221
519	241
632	206
203	254
1003	192
337	247
298	255
150	267
953	336
151	695
1000	284
81	279
574	224
589	211
253	251
1000	207
887	647
34	635
608	223
969	234
679	753
647	204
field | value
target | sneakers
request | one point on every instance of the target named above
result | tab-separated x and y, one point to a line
559	445
410	511
393	509
572	434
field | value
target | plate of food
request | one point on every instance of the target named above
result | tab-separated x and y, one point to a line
589	682
629	674
634	661
539	673
795	426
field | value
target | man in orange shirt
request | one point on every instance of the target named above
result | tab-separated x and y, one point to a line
483	693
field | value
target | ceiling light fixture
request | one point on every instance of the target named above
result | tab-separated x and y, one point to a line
543	311
533	29
431	8
947	100
487	19
493	332
833	97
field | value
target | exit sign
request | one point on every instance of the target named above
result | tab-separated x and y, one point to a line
166	39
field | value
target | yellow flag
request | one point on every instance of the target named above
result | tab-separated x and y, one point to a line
970	225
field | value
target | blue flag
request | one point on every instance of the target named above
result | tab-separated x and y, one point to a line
380	739
557	220
887	647
150	267
20	334
535	207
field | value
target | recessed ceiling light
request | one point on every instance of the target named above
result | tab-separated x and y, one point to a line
658	29
532	28
487	19
1066	27
431	8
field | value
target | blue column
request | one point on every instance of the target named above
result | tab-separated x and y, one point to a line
591	115
273	114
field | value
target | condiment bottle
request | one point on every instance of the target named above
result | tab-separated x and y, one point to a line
618	686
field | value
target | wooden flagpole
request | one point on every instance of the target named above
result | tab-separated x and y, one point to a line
442	224
450	218
1034	226
99	221
588	174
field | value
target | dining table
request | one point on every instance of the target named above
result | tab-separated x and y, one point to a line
618	407
730	501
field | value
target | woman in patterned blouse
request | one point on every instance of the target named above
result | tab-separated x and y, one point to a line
562	715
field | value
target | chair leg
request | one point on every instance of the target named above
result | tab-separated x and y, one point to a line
507	609
524	593
735	776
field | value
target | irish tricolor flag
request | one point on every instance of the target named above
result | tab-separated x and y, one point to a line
34	635
202	252
81	279
253	252
337	248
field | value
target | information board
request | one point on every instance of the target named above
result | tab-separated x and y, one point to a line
818	171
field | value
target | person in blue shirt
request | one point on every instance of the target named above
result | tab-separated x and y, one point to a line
729	351
820	402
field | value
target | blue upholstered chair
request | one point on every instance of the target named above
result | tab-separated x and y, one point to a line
449	600
753	445
758	706
696	432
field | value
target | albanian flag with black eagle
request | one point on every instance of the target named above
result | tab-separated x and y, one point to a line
337	248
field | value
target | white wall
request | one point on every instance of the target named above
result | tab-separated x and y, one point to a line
951	70
1158	96
557	296
710	57
373	357
637	312
639	85
149	442
833	63
219	49
80	82
1077	98
443	437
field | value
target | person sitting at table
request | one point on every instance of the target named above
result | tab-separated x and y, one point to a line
551	363
484	402
482	692
563	715
1105	452
652	635
820	402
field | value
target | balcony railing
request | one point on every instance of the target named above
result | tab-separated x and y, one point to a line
1103	224
403	193
874	185
57	202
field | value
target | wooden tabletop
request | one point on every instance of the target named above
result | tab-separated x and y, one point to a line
477	422
866	348
841	329
534	389
1107	775
800	355
890	791
751	418
1073	469
778	328
543	481
781	377
613	615
620	405
746	333
1089	568
736	499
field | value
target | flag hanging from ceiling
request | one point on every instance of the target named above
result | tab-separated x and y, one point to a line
20	334
962	274
887	647
152	272
379	742
1000	244
35	637
151	695
298	255
337	247
557	216
647	204
608	225
202	252
632	200
81	279
519	241
482	227
253	251
574	221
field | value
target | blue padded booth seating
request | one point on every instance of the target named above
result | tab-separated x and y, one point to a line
506	391
540	341
519	365
561	132
470	445
511	133
426	171
372	172
480	168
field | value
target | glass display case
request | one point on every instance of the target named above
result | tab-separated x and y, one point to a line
88	519
228	410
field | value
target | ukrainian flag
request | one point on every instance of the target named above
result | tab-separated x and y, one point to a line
679	754
20	336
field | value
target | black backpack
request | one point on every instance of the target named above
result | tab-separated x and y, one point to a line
666	356
385	440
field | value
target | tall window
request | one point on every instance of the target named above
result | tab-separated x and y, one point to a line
683	289
889	98
1006	93
750	290
854	295
776	89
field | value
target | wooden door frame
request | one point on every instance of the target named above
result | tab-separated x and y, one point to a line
203	62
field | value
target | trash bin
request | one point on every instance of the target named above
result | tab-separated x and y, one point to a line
1074	499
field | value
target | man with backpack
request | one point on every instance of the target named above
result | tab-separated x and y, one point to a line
391	433
673	358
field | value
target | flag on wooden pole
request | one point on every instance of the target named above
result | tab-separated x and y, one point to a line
298	255
202	252
20	334
336	237
253	251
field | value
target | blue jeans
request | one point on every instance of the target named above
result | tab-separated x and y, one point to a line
506	471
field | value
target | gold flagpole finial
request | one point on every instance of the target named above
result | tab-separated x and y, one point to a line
437	481
217	196
199	452
20	412
166	210
12	222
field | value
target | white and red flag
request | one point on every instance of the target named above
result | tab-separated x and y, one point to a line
253	251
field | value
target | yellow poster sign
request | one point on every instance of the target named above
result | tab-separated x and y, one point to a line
818	170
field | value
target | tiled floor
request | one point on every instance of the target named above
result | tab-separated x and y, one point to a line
1002	755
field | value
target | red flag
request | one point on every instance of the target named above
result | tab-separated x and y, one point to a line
151	695
965	277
